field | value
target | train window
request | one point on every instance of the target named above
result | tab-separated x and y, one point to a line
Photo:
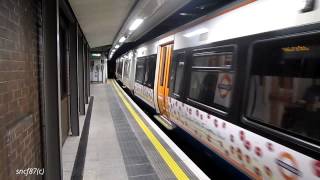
150	71
211	88
212	79
284	85
176	74
120	67
126	68
140	70
213	59
203	85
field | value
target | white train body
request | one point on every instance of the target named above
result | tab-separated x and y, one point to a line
261	152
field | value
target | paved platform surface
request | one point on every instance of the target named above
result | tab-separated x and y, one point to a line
119	148
69	150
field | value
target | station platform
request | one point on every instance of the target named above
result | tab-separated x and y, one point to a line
119	141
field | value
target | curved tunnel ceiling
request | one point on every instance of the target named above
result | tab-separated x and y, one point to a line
101	20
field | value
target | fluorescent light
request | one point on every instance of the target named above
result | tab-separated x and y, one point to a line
196	32
143	49
122	39
96	54
117	46
135	24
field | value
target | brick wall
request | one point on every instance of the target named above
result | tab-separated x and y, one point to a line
20	49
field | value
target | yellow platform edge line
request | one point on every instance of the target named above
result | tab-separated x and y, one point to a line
174	167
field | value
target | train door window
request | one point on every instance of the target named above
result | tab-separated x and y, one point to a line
289	97
212	79
176	74
140	70
163	63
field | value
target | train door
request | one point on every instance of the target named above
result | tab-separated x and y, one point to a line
163	78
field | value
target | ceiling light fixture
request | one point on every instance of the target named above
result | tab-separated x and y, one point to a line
136	23
96	54
122	39
185	14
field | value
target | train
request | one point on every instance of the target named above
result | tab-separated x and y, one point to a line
243	80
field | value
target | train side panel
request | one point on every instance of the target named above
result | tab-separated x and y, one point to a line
144	81
220	125
227	135
249	19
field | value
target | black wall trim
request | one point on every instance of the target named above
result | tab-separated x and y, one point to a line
51	91
77	172
81	74
73	64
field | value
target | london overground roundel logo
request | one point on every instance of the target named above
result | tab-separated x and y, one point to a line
288	166
225	86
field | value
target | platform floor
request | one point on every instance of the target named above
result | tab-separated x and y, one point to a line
123	145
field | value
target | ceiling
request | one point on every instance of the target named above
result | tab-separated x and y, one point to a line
101	20
153	12
190	11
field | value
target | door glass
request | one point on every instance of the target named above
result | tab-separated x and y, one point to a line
163	63
168	66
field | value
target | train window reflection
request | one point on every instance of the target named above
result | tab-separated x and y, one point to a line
212	79
213	59
163	63
120	66
212	88
284	87
140	71
178	80
176	74
126	68
150	71
203	85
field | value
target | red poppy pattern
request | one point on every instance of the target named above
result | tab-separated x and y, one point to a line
252	152
144	93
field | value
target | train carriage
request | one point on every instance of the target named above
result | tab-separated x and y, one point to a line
128	70
247	88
